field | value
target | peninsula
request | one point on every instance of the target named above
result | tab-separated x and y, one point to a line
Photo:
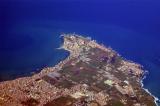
92	75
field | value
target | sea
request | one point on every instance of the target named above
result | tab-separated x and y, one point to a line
30	33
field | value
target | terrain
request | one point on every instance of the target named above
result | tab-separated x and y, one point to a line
92	75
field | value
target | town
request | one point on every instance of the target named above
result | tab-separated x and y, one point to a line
92	75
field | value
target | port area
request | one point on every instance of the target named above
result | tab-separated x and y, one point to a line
93	75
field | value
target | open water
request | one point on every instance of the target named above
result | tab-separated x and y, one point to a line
30	29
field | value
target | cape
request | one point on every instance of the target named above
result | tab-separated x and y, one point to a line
92	75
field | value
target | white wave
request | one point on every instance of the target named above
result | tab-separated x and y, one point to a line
156	99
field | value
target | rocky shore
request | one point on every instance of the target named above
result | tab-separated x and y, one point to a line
92	75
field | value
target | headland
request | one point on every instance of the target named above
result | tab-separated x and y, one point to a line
92	75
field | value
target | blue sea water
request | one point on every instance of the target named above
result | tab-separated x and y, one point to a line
29	33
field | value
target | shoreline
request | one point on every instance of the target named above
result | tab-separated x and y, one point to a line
156	99
40	84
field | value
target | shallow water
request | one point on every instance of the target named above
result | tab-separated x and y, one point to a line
30	32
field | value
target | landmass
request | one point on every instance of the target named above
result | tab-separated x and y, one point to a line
92	75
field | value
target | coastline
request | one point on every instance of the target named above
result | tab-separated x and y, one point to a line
102	46
40	83
156	99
